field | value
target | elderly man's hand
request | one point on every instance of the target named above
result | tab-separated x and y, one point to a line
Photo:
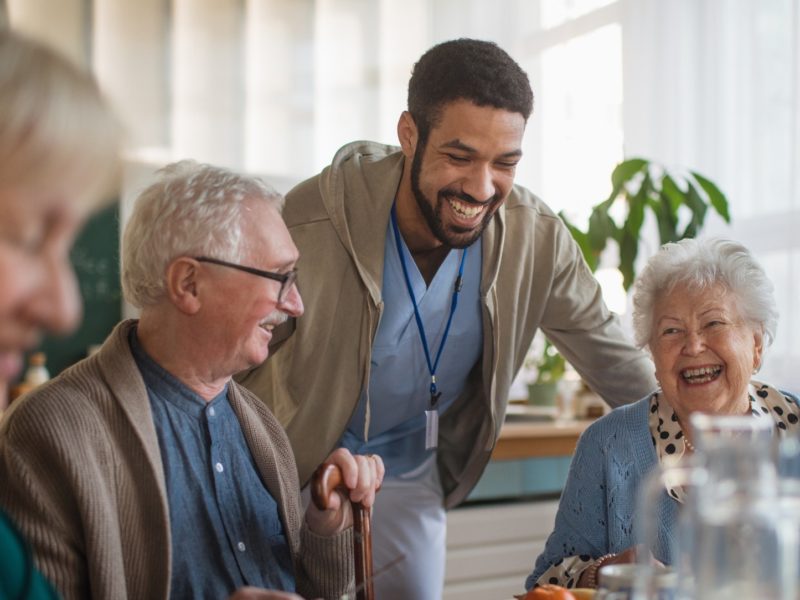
362	475
251	593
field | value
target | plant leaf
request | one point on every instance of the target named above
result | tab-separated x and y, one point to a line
582	239
551	365
715	196
628	249
624	172
698	207
665	217
673	192
601	227
636	206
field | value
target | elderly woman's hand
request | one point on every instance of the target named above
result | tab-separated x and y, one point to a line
589	576
362	475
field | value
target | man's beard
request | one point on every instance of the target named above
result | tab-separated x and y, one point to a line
455	237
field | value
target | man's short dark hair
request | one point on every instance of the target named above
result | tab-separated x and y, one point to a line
466	69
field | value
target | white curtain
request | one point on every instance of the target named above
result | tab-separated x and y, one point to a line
715	85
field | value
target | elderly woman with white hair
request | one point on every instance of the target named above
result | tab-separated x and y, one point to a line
706	312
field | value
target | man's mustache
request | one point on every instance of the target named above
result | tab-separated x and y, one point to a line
276	317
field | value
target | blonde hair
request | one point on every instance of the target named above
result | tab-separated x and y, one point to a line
54	122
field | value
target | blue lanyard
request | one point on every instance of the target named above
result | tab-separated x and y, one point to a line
453	303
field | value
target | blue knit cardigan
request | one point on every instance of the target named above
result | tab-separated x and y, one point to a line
597	508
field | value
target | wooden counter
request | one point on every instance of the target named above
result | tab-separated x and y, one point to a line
538	439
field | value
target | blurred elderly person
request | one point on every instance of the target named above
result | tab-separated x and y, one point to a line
58	158
706	312
144	471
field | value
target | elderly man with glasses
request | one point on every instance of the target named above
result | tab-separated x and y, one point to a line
144	471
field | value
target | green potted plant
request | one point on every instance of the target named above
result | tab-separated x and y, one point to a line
546	369
679	203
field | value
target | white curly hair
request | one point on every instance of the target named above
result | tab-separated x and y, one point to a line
192	210
703	264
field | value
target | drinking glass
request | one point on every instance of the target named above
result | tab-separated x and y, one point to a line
729	538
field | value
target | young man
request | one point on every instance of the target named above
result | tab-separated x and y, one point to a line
144	471
426	273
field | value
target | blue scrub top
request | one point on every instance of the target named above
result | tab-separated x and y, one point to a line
399	383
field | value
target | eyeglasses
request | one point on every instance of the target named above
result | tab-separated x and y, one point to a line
287	279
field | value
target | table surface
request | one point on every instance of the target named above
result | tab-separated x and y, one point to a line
538	439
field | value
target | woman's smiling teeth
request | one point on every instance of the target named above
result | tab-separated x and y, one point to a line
463	209
701	374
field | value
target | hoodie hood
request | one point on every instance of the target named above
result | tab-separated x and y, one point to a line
367	170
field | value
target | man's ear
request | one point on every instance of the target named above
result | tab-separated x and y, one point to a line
408	134
182	285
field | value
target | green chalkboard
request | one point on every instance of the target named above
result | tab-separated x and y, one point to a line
95	257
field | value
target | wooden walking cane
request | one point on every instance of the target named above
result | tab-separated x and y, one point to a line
327	478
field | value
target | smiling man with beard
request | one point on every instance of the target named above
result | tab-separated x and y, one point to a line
144	471
426	273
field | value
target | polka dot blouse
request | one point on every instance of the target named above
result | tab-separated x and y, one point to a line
766	402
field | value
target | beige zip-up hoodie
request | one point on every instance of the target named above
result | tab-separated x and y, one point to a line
533	276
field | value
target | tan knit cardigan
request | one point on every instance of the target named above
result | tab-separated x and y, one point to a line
81	475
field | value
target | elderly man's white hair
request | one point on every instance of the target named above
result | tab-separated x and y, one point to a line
703	264
192	210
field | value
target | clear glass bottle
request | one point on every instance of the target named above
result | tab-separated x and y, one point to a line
726	540
618	582
37	372
738	550
35	375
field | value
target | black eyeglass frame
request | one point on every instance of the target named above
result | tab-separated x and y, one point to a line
287	280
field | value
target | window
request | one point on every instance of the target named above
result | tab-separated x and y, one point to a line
276	86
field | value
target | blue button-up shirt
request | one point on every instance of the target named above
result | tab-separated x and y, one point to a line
225	526
399	383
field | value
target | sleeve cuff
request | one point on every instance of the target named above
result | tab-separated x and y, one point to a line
327	564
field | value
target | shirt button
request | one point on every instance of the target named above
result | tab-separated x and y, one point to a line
240	546
211	411
219	467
